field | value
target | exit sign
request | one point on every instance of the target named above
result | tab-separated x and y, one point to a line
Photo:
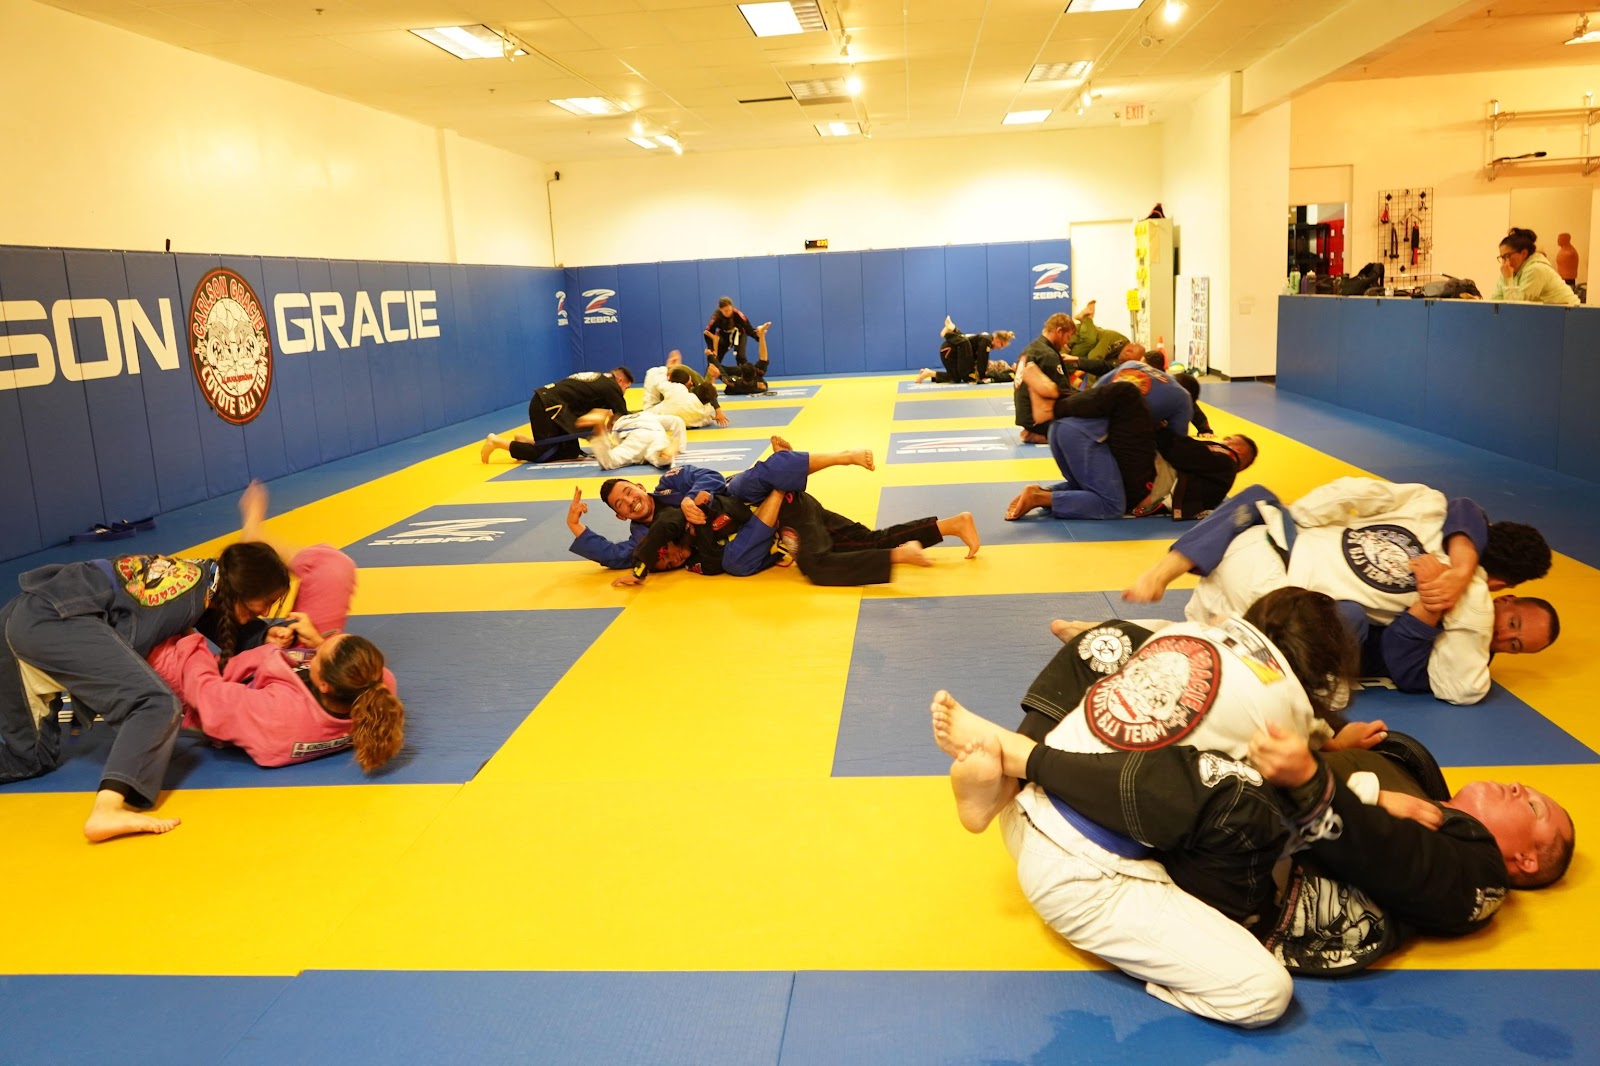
1135	115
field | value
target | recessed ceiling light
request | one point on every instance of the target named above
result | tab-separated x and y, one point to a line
469	42
644	142
838	129
667	140
1089	7
1021	118
818	89
783	18
1060	71
592	105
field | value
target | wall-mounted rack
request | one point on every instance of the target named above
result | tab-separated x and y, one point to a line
1588	115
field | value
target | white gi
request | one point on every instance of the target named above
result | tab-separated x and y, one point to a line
1210	687
640	438
1354	538
654	378
676	399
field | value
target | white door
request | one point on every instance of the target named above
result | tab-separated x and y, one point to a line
1103	270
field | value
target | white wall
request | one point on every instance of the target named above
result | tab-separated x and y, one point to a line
117	141
1259	187
1195	195
858	194
1409	132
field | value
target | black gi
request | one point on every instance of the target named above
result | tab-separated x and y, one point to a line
555	409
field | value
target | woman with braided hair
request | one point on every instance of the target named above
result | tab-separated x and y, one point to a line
85	628
299	687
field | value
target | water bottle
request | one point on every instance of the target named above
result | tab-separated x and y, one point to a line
1294	283
1308	284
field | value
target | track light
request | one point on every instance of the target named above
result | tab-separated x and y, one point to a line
1173	10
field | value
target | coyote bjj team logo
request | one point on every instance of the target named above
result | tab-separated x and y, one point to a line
1048	285
1158	698
595	310
561	308
1105	649
1381	556
230	347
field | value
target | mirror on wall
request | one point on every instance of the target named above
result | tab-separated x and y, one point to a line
1316	240
1551	211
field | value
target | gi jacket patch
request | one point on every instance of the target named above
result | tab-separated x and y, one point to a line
156	579
1381	556
1158	698
1105	649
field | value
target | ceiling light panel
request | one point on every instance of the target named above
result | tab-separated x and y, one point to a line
1090	7
783	18
839	129
467	42
1023	118
1060	71
820	91
592	105
644	142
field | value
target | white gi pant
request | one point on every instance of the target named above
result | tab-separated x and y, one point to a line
1129	913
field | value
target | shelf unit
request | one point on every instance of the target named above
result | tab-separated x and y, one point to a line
1588	115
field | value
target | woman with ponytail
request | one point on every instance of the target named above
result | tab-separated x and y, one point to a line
296	688
88	626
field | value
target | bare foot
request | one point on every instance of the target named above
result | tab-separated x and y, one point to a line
781	445
862	457
1028	500
955	727
1065	630
909	553
963	526
1088	310
761	330
949	326
112	817
924	375
490	443
1033	438
981	787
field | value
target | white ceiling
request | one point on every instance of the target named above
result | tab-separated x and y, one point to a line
1497	35
930	67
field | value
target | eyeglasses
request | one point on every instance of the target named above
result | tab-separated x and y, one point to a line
1505	257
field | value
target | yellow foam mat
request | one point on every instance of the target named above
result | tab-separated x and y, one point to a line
668	805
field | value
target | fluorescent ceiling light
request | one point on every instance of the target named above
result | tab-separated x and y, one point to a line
644	142
592	105
469	42
838	129
1060	71
783	18
667	140
1090	7
1020	118
818	89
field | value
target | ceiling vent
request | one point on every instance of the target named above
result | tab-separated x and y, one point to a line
820	91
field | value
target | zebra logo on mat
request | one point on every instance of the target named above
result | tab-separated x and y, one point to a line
447	531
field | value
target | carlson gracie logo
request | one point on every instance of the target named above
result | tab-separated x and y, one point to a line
1048	285
595	310
561	308
1381	556
1158	698
230	346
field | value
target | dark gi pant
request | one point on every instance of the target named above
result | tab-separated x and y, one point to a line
549	419
835	550
78	627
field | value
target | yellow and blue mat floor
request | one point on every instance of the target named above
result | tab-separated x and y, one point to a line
704	821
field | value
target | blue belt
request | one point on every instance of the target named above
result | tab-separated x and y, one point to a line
1112	841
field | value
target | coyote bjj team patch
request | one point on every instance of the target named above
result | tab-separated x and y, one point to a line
1105	649
230	346
156	579
1158	698
1381	556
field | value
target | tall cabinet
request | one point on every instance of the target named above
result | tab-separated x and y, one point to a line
1153	317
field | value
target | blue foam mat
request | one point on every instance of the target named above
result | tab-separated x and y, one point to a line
472	1018
715	453
776	392
458	533
467	679
962	445
1403	1017
912	386
988	500
985	649
962	407
754	416
1561	506
883	727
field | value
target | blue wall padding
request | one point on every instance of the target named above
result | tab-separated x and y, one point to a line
641	324
1515	379
466	1018
966	287
719	278
683	316
125	444
801	279
925	305
760	296
844	310
1041	309
1104	1017
1008	301
435	657
884	329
